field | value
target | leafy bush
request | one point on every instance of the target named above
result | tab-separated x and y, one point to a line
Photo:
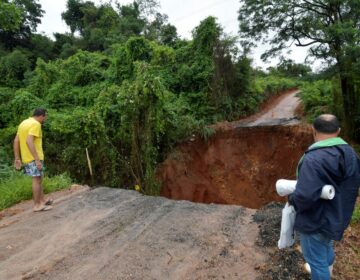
12	68
6	95
138	48
317	98
22	105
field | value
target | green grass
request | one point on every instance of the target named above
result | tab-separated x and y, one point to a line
17	187
356	215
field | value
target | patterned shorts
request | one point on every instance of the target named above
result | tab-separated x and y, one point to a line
30	169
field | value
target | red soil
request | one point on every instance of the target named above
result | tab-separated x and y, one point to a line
237	166
242	161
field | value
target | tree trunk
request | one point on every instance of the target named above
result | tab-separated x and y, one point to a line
350	104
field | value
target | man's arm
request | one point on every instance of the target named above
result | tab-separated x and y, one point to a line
16	146
309	185
31	145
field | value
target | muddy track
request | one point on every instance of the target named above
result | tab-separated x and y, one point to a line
118	234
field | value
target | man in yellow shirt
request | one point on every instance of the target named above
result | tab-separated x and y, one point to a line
29	152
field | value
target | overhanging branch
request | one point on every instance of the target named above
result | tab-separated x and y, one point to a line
299	44
316	4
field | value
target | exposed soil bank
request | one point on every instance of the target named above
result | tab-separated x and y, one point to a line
243	159
238	166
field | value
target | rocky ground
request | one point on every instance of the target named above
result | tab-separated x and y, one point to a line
288	263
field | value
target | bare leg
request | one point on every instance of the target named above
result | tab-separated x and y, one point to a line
37	193
42	199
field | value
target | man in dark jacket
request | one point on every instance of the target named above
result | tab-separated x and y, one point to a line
329	161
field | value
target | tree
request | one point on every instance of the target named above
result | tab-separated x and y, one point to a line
168	35
131	24
10	17
329	27
12	69
289	68
60	41
73	16
41	47
31	13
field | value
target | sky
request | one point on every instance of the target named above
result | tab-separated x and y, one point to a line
184	14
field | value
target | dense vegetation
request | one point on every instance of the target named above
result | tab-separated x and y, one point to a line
330	28
121	84
125	86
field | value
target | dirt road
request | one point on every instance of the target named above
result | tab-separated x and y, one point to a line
284	108
118	234
279	110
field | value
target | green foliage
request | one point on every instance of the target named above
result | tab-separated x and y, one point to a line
356	215
330	31
121	67
6	95
18	28
130	104
10	17
74	14
328	28
17	187
131	24
206	35
142	107
41	47
44	75
5	169
207	132
12	69
288	68
22	105
271	85
162	55
138	48
168	35
317	98
60	41
6	137
84	68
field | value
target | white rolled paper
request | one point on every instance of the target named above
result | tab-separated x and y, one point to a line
328	192
285	187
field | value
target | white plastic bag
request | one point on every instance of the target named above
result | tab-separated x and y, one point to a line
287	237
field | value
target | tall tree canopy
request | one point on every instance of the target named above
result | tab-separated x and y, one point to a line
21	22
10	17
101	26
331	28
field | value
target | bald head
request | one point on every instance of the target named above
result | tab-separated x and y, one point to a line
326	124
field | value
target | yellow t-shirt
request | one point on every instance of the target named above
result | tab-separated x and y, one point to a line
30	126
